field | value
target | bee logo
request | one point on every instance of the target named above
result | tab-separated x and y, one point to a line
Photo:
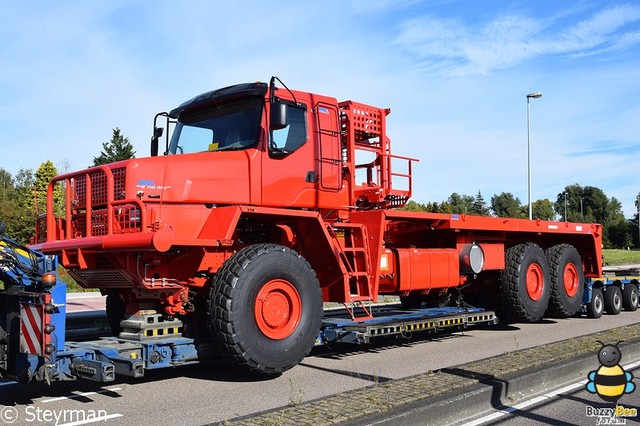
610	381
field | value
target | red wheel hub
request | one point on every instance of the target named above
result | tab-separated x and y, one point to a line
535	281
570	280
278	309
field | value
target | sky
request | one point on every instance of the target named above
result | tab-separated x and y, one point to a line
454	73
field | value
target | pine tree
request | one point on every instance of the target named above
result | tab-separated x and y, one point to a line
479	206
44	174
117	149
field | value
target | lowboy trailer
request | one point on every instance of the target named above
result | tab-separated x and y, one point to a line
33	345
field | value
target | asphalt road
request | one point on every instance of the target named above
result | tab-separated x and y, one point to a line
214	391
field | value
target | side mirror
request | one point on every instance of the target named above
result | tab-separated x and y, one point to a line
3	228
157	134
278	119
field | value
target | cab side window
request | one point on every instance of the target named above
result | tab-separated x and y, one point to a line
294	135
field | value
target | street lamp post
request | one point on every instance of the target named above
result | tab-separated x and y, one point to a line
638	200
534	95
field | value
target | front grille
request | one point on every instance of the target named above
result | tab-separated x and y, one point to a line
94	278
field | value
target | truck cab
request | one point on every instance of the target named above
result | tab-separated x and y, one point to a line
246	144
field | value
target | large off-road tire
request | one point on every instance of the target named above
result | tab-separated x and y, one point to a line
595	307
525	283
115	308
412	301
567	280
613	300
265	308
630	297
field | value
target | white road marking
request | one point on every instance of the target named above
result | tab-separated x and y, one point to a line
97	419
80	395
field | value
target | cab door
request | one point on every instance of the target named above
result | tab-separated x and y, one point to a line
330	154
289	172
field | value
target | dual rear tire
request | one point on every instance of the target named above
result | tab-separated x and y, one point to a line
536	282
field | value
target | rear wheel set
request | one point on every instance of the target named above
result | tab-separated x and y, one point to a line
537	282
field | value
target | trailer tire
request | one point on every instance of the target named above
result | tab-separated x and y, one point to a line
567	280
630	297
525	283
596	306
613	300
115	308
412	301
265	308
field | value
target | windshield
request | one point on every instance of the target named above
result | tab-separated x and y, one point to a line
227	126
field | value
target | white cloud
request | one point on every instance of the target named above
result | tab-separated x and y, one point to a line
508	40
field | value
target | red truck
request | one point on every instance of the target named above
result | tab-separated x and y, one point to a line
268	202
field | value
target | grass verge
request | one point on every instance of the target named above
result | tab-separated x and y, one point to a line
614	257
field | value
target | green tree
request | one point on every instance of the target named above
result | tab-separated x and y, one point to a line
45	173
506	205
479	206
16	204
590	204
461	204
413	206
541	209
431	207
117	149
7	197
619	233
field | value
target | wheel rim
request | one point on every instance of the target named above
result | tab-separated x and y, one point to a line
570	279
278	309
598	303
617	300
634	298
535	281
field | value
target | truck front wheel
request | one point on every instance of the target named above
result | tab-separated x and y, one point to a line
525	283
265	308
567	280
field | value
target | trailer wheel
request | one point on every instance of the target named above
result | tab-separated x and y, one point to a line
596	306
613	300
630	297
525	283
411	301
115	308
567	280
265	308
